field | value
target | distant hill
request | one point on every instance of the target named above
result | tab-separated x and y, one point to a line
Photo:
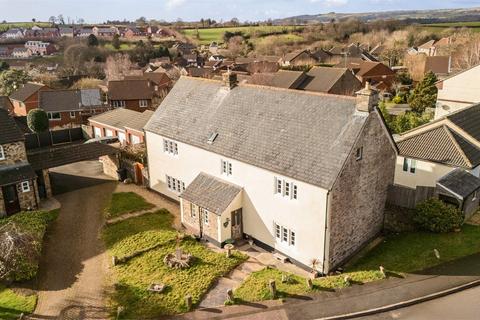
423	16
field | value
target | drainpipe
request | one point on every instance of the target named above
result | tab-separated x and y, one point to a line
325	233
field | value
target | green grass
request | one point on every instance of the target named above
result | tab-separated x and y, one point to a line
208	35
13	304
409	252
26	25
255	287
439	27
123	46
33	222
126	202
133	277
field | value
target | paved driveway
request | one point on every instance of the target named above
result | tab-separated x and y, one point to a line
74	264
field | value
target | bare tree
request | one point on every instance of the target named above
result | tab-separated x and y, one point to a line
118	66
467	55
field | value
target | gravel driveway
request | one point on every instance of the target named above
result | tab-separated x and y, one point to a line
74	264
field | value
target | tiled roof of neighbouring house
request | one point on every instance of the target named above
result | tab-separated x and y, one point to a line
5	103
121	118
460	183
130	90
25	91
211	193
9	132
16	173
303	135
322	79
69	100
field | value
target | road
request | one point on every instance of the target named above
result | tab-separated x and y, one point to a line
74	263
464	305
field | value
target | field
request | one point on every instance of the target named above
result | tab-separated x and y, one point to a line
439	27
26	25
216	34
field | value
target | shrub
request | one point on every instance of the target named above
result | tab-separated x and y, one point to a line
436	216
398	99
37	120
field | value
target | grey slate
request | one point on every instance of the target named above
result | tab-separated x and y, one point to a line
211	193
16	173
69	100
9	131
460	182
121	118
25	91
303	135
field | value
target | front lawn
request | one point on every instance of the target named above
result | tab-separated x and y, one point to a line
13	304
414	251
126	202
133	277
256	288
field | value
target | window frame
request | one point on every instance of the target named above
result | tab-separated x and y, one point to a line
292	238
206	219
25	186
2	153
170	147
226	167
51	118
74	115
142	103
359	154
409	165
193	210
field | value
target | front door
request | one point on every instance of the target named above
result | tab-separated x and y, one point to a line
10	197
237	226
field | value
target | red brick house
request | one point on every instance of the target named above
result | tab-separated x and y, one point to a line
125	124
26	98
71	108
378	74
135	94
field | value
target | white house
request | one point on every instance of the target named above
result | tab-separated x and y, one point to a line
430	153
301	173
458	91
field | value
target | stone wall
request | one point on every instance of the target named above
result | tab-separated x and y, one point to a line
48	185
14	153
2	205
28	200
110	165
210	230
358	197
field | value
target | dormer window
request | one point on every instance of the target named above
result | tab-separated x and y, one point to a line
2	153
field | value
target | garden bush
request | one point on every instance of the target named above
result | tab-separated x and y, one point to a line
436	216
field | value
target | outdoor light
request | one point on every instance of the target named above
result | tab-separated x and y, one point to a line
225	224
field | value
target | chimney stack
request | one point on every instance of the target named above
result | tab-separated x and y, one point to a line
367	99
229	80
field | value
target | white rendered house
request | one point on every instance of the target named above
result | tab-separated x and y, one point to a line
303	174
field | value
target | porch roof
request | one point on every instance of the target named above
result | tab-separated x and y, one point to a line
460	183
211	193
16	173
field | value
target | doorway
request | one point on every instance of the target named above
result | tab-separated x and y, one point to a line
10	197
237	226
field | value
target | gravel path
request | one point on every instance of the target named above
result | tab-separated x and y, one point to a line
74	264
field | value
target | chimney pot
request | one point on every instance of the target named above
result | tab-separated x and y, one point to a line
229	80
367	98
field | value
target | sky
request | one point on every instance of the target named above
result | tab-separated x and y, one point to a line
95	11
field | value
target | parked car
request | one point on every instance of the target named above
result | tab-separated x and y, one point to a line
104	140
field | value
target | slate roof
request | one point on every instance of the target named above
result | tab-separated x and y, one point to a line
5	103
59	156
468	119
25	91
130	90
211	193
15	173
121	118
303	135
460	182
370	68
69	100
322	79
9	132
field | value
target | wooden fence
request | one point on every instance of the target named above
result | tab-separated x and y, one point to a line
407	197
51	138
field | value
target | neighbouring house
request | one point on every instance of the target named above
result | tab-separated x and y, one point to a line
21	53
162	83
72	107
458	91
42	33
428	154
26	97
298	58
135	95
6	104
377	73
300	173
184	48
105	32
434	47
40	48
419	65
13	34
125	124
213	48
282	79
67	32
133	32
339	81
85	32
18	186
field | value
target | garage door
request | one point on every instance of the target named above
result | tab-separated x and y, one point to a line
97	132
135	139
109	133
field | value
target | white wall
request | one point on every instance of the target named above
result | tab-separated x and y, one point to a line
458	92
426	173
261	207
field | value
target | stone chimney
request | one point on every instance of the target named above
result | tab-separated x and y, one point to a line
229	80
367	98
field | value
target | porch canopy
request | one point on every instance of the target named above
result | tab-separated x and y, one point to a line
211	193
16	173
459	184
51	157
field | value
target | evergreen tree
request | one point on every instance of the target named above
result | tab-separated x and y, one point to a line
425	94
37	120
92	41
116	41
